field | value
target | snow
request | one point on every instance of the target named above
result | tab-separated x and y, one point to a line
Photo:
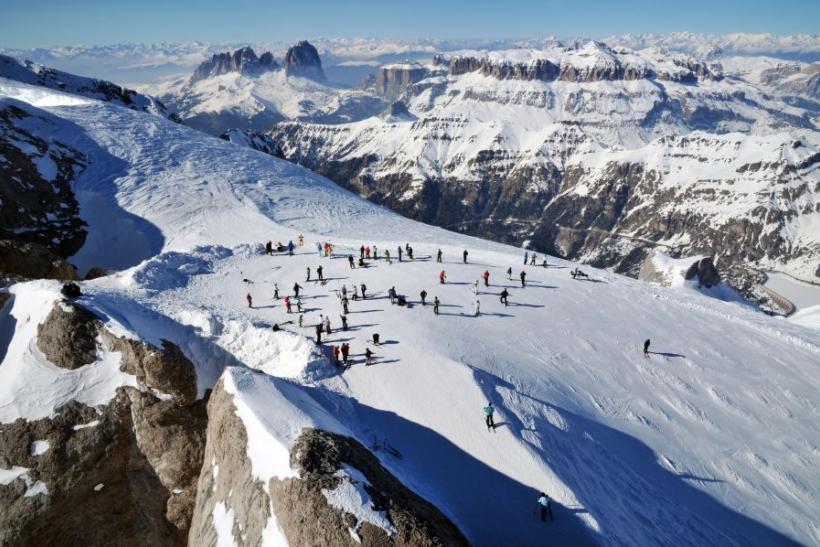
223	520
38	448
93	423
351	497
801	294
7	476
712	439
33	488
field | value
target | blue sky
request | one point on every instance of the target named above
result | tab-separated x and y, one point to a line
31	23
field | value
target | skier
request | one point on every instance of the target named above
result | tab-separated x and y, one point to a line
344	321
355	292
509	273
523	276
387	256
345	352
344	291
436	303
296	287
301	320
350	261
488	416
544	264
486	276
327	325
399	253
442	277
375	253
319	248
367	252
361	252
475	287
345	302
319	333
477	308
269	248
301	240
249	298
376	338
504	295
299	305
533	259
368	357
526	255
646	348
276	327
438	255
545	505
319	273
287	303
392	294
465	256
410	252
307	278
364	291
336	355
578	274
423	295
276	291
290	247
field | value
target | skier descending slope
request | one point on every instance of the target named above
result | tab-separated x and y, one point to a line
436	303
465	256
488	416
646	348
442	277
504	295
438	255
296	287
477	308
523	278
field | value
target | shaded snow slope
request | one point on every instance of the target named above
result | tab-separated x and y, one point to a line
712	439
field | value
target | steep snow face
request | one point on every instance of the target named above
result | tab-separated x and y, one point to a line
589	152
712	438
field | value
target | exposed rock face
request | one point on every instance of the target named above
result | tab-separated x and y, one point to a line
705	272
242	60
33	261
303	60
392	80
301	509
32	73
95	272
68	336
37	203
123	473
252	139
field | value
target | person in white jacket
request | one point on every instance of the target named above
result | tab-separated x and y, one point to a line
477	308
545	505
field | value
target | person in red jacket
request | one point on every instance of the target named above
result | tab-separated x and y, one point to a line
486	276
287	303
442	277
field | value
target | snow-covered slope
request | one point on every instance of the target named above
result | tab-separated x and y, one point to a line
589	152
712	439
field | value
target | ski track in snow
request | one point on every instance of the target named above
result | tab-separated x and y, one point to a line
712	439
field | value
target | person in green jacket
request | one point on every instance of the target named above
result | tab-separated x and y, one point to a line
488	416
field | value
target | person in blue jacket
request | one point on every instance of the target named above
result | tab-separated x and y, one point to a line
488	416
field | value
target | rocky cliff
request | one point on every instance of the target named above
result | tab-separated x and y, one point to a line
243	61
303	60
391	81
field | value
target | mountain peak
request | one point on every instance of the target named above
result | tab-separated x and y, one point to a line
243	60
303	60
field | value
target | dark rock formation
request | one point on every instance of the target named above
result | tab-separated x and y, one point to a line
68	336
242	60
252	139
37	203
704	271
392	80
123	473
95	272
33	261
303	60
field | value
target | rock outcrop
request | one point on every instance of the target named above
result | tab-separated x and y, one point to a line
390	81
123	473
303	60
243	60
32	261
299	508
37	203
704	272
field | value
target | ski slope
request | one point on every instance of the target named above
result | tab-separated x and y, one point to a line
710	440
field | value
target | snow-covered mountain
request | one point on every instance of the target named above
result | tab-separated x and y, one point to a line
177	414
242	91
588	152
